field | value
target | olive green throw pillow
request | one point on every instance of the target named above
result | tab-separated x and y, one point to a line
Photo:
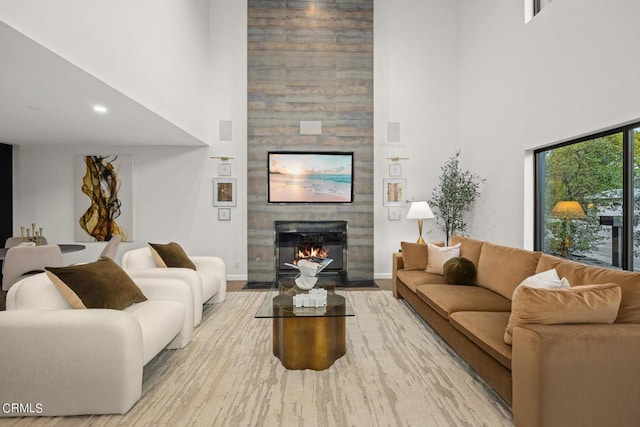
171	255
459	271
99	284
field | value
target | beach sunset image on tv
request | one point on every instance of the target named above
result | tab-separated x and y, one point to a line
310	177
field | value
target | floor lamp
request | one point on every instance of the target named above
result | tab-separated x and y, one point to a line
567	210
420	211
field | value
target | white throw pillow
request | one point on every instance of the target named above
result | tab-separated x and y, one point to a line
437	256
545	280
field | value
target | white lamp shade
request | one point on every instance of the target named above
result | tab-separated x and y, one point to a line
420	210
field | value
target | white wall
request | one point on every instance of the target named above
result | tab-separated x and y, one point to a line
415	84
172	201
173	185
454	74
228	101
153	52
415	78
228	76
570	71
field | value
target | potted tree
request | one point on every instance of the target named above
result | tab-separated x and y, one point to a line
452	199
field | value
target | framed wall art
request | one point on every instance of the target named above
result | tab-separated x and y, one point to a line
395	170
394	214
224	169
224	192
394	191
103	198
224	214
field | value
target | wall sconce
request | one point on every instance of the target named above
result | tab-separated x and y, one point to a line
395	168
224	169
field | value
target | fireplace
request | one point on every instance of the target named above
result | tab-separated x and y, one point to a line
295	240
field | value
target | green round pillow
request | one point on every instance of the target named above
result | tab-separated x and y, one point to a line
459	271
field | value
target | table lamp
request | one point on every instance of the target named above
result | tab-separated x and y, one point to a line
566	210
420	211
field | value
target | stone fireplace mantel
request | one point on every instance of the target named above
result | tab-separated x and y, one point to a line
302	69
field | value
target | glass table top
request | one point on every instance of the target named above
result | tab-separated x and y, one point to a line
278	302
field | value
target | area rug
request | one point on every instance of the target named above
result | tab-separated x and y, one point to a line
396	372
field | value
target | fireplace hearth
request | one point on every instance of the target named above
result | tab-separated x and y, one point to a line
296	240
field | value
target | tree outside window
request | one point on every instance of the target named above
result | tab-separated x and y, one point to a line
591	173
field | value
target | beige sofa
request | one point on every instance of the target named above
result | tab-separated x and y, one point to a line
553	375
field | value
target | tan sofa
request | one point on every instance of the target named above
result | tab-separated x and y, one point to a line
553	375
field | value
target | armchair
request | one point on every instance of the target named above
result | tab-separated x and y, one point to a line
207	282
95	355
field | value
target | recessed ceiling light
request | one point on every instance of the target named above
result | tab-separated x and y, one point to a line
100	109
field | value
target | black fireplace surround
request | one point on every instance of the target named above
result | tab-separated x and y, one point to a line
303	239
299	239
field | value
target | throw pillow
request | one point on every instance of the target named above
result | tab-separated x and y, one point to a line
578	304
171	255
99	284
437	256
459	271
548	279
414	255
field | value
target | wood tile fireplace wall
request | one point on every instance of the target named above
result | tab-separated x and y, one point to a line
310	61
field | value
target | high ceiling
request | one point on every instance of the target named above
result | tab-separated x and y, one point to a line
46	100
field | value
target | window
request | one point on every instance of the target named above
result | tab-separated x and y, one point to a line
588	199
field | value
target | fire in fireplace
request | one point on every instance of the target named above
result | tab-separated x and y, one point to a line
311	252
296	240
312	244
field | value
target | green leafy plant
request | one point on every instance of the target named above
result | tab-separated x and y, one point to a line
452	199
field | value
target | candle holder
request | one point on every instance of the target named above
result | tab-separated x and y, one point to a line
30	234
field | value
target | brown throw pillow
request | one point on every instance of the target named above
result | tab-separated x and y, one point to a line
578	304
414	255
171	255
459	271
99	284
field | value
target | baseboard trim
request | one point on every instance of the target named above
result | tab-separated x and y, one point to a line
236	277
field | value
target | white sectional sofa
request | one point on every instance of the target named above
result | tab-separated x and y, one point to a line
55	360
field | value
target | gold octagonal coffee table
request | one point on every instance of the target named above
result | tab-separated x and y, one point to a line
307	337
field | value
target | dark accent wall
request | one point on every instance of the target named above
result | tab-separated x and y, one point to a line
6	193
310	60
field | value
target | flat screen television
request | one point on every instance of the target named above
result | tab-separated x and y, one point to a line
310	177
